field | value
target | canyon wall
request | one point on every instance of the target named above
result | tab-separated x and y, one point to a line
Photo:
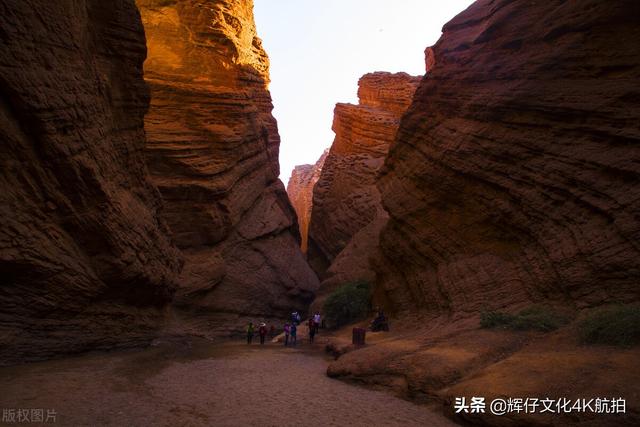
347	214
515	174
212	151
300	192
84	260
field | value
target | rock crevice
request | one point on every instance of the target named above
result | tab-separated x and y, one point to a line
347	213
300	192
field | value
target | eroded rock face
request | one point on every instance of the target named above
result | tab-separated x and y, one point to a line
300	192
84	260
347	213
515	174
212	151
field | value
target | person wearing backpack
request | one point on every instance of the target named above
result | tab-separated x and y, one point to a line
295	318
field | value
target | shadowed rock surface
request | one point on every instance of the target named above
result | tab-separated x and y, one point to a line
515	174
514	179
84	260
212	150
300	192
347	214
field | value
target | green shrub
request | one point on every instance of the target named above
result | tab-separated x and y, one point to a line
536	318
347	304
494	319
614	325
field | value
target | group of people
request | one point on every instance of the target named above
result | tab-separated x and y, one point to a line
262	332
379	323
290	329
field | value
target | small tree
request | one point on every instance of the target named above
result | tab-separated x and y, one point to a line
347	304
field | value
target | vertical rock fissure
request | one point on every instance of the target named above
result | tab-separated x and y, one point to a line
338	199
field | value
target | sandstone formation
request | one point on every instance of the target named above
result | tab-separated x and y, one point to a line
212	151
84	260
437	362
514	180
347	214
300	192
515	174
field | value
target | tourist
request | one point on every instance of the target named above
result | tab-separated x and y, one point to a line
316	321
295	318
287	330
249	332
263	332
294	332
380	322
272	331
312	329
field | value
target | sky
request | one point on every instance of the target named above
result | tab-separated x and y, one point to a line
318	50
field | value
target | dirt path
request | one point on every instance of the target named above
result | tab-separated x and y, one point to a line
198	385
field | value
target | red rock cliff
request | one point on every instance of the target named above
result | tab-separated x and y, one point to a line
212	151
300	192
515	174
347	214
84	260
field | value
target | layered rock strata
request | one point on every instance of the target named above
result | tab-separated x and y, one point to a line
300	192
347	214
513	182
84	260
515	174
212	150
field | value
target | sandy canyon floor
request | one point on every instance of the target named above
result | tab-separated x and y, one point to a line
202	384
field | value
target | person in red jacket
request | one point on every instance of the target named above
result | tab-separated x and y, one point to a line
263	332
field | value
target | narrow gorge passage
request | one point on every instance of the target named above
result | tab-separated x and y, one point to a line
483	207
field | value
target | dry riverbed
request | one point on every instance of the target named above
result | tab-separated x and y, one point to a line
202	384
